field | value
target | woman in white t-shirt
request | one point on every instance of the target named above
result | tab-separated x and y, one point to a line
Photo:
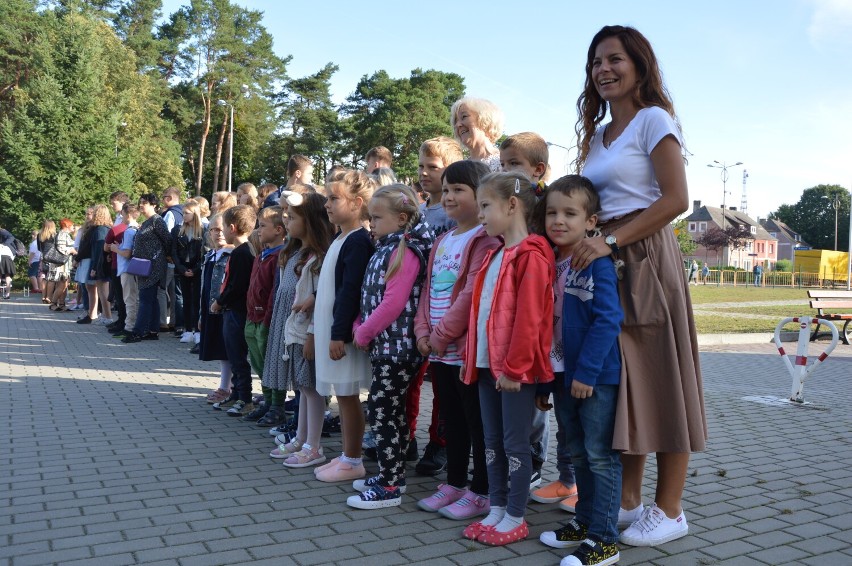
636	163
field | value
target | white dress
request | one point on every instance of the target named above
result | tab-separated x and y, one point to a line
350	374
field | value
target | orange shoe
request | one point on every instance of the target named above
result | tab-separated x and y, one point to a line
554	492
569	504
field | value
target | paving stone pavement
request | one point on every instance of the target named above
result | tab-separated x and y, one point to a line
112	457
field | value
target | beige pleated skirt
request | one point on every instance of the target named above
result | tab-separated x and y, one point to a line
661	400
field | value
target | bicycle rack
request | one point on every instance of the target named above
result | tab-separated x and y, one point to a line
801	370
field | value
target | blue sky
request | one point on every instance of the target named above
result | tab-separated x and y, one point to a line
765	83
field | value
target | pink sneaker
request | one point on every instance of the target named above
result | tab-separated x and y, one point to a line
445	495
342	472
467	507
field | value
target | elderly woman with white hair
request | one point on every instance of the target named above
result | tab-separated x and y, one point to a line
477	124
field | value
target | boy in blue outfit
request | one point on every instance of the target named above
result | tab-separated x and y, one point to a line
586	399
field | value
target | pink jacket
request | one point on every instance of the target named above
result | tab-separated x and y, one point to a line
453	326
520	328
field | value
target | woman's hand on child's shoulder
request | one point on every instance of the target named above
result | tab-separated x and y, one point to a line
581	390
507	385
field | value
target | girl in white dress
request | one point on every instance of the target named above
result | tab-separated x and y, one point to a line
342	369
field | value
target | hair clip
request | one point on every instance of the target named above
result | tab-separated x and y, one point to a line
404	199
517	187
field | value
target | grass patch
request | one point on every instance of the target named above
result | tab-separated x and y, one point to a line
703	294
712	324
779	311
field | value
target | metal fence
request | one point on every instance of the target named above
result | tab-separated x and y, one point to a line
829	280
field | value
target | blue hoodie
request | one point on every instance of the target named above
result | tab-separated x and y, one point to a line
592	315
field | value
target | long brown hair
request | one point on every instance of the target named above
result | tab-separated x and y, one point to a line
319	233
650	89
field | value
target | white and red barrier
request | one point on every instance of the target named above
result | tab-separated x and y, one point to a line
800	370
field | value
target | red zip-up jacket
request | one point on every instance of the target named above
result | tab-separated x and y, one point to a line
520	328
453	326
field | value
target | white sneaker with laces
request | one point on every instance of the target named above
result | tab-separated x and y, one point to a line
654	528
627	518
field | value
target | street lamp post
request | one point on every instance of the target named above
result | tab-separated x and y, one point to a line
724	167
836	207
230	143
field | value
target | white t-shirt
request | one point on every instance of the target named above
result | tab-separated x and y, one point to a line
623	173
486	299
445	273
35	255
557	355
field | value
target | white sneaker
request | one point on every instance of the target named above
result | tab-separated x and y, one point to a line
654	528
186	337
197	337
627	518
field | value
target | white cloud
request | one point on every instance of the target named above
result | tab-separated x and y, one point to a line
831	23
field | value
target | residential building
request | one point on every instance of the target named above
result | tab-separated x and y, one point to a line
759	246
788	239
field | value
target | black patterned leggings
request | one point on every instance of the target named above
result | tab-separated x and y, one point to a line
387	417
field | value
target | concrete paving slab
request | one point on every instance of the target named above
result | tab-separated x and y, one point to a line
113	457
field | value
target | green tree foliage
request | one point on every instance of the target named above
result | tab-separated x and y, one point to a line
309	125
684	240
20	47
814	215
399	114
784	265
134	23
81	124
219	48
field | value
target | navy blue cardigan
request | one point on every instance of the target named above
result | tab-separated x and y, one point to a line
348	277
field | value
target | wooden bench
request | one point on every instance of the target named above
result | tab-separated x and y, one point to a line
822	300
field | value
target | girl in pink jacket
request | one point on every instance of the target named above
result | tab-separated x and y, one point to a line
441	330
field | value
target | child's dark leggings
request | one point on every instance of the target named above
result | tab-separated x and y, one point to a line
387	417
460	404
507	422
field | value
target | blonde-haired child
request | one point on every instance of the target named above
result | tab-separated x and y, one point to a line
434	156
389	296
271	235
342	369
210	324
526	152
188	255
508	348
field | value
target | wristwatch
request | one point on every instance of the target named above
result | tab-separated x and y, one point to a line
611	242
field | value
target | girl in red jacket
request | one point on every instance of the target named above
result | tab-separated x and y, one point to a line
508	348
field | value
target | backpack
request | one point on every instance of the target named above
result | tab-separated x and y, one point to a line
18	248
